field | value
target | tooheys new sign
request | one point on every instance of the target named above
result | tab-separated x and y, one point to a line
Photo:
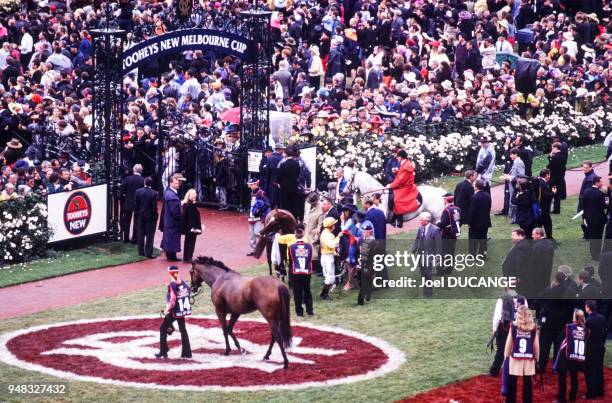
78	213
187	39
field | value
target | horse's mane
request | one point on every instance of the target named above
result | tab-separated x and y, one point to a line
207	260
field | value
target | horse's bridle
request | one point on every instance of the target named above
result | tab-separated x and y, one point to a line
199	287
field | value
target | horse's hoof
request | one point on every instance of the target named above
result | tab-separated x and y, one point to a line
266	357
242	351
226	352
286	365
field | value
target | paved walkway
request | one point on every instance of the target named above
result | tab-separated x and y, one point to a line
225	238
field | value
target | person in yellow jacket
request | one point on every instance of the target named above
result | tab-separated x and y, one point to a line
329	243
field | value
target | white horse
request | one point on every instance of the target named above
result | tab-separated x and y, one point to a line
366	186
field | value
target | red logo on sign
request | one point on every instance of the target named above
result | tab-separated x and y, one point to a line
121	351
77	213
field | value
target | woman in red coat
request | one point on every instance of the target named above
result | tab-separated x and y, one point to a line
405	192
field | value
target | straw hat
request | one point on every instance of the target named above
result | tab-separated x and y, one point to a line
14	144
423	89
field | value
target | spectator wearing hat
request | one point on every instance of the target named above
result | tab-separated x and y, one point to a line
177	308
260	207
13	151
170	223
450	228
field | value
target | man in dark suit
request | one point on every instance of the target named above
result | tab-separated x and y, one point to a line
288	180
516	262
329	210
542	252
544	197
271	174
587	182
170	222
128	192
463	194
557	176
588	288
145	210
595	349
428	245
594	205
525	153
479	219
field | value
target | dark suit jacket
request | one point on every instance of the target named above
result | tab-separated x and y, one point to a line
190	219
128	190
523	202
543	252
598	329
463	198
557	170
480	210
516	262
379	221
333	212
594	207
288	175
590	291
587	183
428	242
145	204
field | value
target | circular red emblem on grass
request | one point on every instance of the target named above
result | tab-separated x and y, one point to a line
121	351
77	213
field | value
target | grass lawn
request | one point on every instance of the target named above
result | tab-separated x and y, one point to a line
443	339
66	262
577	155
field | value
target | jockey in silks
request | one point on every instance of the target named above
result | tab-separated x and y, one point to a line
405	192
350	242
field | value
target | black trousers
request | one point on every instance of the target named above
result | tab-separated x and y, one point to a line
289	202
512	381
163	335
477	240
545	222
594	374
594	233
548	339
561	393
426	275
367	284
301	202
448	248
126	221
506	197
487	188
302	293
500	344
189	247
146	235
556	203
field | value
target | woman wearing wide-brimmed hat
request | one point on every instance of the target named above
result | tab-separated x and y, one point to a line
13	151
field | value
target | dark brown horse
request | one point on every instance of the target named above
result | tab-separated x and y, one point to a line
276	220
237	295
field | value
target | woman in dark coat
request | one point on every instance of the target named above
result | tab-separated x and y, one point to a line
191	225
523	201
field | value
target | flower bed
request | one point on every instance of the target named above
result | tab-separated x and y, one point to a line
23	230
452	146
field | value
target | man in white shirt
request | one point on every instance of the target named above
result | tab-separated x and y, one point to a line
503	46
190	86
4	53
570	44
26	48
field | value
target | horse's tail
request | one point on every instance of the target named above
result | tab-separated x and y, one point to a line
282	325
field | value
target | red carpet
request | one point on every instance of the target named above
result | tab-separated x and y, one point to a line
486	389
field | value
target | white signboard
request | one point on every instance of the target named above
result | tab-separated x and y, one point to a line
77	213
309	155
254	160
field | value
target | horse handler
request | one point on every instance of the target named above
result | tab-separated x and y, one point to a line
300	260
177	307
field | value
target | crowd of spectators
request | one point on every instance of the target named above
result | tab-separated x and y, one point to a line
366	62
